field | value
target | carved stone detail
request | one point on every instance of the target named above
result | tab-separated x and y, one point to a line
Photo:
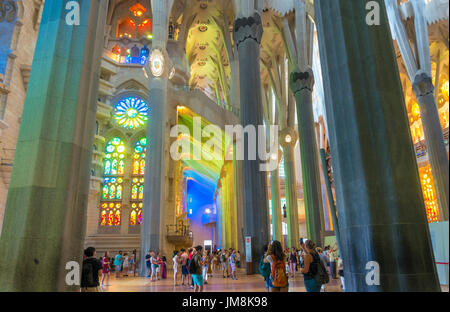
248	28
8	10
299	80
423	84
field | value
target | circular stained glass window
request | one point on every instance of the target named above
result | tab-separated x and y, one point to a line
131	113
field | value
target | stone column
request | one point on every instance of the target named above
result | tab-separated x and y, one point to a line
277	220
288	139
45	215
376	177
302	83
247	37
153	225
437	154
323	157
238	185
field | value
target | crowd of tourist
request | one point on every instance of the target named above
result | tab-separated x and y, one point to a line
197	265
316	265
277	266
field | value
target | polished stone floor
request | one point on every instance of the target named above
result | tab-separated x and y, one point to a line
244	283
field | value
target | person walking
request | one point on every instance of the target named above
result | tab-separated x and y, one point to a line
154	263
233	265
293	262
184	267
176	262
196	269
118	260
278	276
163	267
106	269
126	263
238	259
148	263
223	263
310	269
264	268
205	262
210	260
90	271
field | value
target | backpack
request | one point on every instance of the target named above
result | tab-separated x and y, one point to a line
278	275
264	268
321	276
192	266
87	275
318	271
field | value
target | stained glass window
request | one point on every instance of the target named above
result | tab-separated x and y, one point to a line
110	214
131	113
112	189
137	184
429	194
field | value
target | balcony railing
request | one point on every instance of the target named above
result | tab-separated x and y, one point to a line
179	235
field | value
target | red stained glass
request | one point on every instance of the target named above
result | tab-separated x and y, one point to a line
110	218
117	218
103	218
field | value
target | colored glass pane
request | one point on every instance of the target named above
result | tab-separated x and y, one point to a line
133	218
131	113
103	218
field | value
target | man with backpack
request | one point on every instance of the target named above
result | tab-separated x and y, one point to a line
195	268
90	271
314	271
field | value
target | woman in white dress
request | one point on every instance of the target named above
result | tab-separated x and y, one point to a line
176	262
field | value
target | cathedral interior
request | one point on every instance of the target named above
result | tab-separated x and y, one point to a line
88	110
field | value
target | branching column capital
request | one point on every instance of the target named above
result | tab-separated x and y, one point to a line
248	28
301	80
423	84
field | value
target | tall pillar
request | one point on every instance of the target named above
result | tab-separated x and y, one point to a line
153	225
437	153
377	181
288	140
46	209
247	36
323	157
302	83
237	167
277	221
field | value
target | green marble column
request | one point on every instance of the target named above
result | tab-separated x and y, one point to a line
290	187
302	83
45	215
382	216
276	205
